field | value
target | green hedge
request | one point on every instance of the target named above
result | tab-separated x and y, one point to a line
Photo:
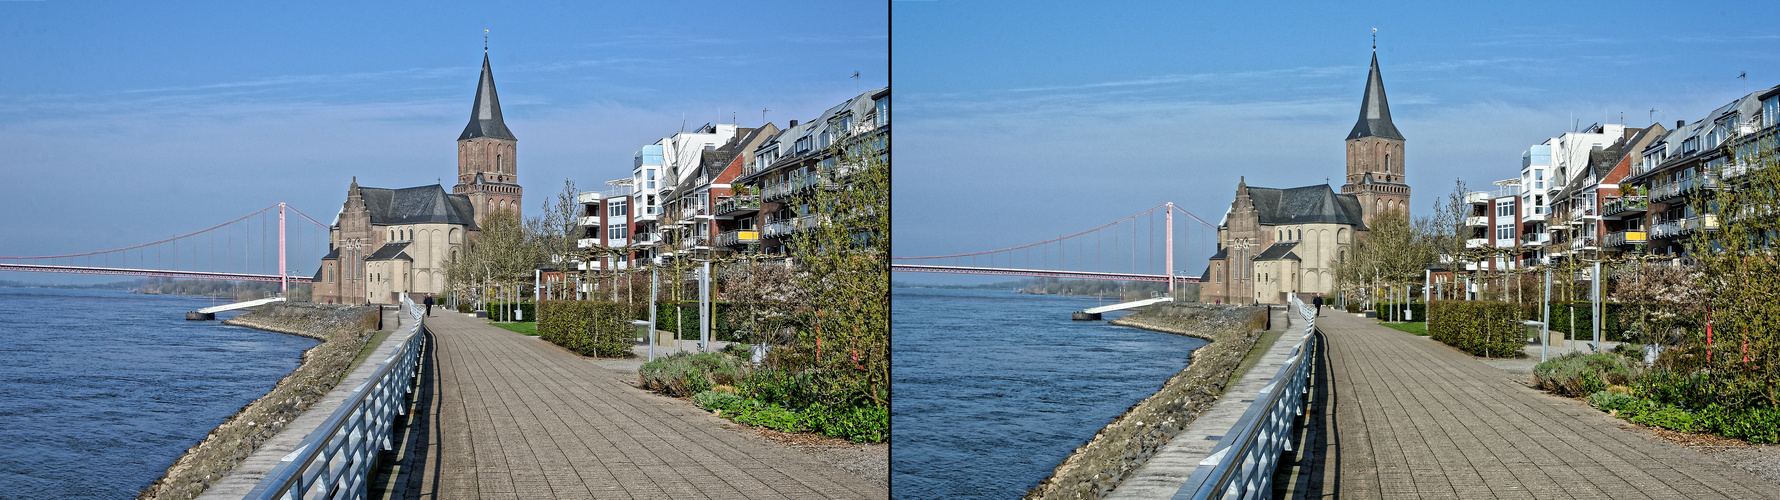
503	311
721	329
1482	328
1394	311
590	328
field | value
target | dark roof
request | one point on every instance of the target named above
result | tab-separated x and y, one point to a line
485	114
1375	113
1223	253
391	251
1305	205
332	254
1279	251
417	205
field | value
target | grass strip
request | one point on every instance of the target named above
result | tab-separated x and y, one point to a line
1414	327
529	328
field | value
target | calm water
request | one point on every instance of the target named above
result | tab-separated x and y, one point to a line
994	389
101	390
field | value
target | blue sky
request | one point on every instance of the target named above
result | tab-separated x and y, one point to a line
1022	121
127	122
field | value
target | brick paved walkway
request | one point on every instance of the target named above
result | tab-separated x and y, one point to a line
1413	418
516	417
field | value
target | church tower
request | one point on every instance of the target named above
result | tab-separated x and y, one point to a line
487	161
1375	154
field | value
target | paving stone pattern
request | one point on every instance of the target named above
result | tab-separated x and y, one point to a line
516	417
1413	418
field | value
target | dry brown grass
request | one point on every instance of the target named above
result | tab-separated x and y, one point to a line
342	330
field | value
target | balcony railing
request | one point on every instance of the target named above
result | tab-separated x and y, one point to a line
586	242
1539	217
1477	243
789	226
737	237
1534	239
1582	242
737	204
1476	221
793	186
1626	205
589	221
1700	223
1665	191
646	239
1623	238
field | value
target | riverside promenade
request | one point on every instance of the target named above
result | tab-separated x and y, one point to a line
510	416
1410	417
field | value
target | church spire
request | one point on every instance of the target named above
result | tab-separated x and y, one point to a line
1375	113
485	114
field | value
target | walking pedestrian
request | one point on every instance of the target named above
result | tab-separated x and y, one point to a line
429	305
1319	304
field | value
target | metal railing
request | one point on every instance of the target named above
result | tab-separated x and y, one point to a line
737	237
335	459
1241	464
1625	204
737	204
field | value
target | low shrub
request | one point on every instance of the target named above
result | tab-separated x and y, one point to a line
1352	307
590	328
1479	327
504	311
1578	374
861	424
715	400
464	307
1394	311
684	374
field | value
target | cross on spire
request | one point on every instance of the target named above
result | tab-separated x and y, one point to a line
1374	39
485	40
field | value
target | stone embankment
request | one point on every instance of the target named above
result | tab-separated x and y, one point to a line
1095	468
343	331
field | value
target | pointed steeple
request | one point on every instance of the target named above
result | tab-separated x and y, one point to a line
485	114
1375	113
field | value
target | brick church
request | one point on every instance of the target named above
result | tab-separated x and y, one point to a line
386	242
1276	241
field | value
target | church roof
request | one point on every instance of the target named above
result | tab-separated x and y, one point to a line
332	254
1305	205
1375	113
418	205
485	114
391	251
1279	251
1223	253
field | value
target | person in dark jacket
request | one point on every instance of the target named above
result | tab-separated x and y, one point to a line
429	305
1319	304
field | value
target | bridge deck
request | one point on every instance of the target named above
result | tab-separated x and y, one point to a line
1413	418
516	417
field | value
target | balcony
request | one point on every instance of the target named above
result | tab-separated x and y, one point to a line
1586	242
1701	223
737	203
738	237
1624	238
646	239
589	221
1540	217
1477	243
586	242
1669	229
1477	221
1624	206
1664	192
1534	240
794	186
794	225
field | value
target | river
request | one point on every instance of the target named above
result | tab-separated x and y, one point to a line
101	390
993	389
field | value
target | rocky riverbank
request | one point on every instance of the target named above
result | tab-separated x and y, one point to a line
343	331
1096	467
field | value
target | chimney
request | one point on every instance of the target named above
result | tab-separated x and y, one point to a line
1678	123
793	124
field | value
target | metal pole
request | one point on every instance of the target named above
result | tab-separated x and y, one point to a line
704	306
1596	286
536	275
654	275
283	277
1545	317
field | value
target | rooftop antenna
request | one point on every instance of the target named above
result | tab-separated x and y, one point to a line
1652	115
763	112
855	78
1744	76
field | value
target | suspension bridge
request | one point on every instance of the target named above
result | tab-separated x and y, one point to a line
1120	251
238	250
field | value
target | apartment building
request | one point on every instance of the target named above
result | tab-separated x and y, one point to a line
811	155
1675	173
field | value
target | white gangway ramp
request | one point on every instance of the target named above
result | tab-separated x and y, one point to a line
1128	305
239	305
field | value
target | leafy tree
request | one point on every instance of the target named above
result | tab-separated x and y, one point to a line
845	272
